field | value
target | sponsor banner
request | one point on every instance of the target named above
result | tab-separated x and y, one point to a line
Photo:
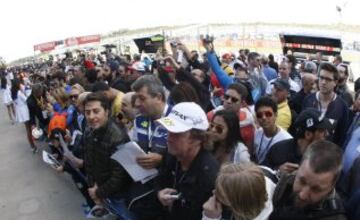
45	47
73	41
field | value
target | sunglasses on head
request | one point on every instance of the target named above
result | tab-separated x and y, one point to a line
267	114
232	99
218	128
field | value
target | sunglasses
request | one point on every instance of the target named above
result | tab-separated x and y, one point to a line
74	96
218	128
120	116
232	99
267	114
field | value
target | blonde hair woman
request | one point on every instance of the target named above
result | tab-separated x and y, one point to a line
244	189
61	97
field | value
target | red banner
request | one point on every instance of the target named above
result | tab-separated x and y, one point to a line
45	46
73	41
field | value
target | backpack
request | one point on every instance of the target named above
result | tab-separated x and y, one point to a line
57	121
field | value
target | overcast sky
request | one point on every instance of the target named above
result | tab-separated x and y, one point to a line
26	23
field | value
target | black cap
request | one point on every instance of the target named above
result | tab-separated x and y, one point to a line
282	84
312	119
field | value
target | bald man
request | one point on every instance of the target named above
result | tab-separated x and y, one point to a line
128	111
308	81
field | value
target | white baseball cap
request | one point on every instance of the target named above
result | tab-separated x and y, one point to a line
184	117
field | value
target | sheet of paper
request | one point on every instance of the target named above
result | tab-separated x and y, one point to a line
126	155
47	158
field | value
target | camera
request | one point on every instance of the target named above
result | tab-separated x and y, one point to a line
173	43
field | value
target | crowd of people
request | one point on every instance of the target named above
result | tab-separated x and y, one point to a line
230	137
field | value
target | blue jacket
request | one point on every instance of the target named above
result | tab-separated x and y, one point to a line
269	72
258	83
224	79
336	110
151	135
352	143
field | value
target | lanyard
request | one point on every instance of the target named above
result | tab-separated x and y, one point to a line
176	175
261	153
150	134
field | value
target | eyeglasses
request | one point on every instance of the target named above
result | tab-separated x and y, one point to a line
232	99
218	128
327	79
267	114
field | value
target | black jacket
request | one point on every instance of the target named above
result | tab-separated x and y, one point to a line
296	101
100	144
200	88
284	209
282	152
345	94
35	112
195	184
336	110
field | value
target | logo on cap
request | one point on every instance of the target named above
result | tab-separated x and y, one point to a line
168	122
309	122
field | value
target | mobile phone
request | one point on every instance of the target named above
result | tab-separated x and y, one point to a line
175	195
173	43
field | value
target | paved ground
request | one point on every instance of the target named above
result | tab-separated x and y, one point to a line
29	189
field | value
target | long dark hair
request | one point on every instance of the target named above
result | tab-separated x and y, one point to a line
15	87
184	92
232	122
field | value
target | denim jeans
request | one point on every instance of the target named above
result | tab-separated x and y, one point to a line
119	208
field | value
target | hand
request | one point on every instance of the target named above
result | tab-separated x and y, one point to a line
92	192
49	108
172	61
217	90
158	55
288	167
50	98
59	169
212	208
164	196
209	47
98	201
181	46
150	160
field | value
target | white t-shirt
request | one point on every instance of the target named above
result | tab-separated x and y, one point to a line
241	154
262	144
